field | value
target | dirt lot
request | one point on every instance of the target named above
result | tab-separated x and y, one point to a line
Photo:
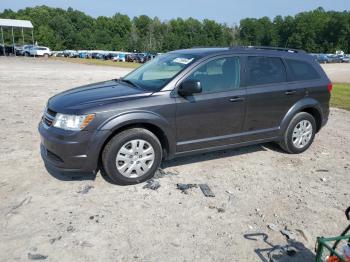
338	72
254	186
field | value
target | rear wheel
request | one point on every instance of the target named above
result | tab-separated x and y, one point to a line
299	134
46	55
132	156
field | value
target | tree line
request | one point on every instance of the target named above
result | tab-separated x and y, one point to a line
314	31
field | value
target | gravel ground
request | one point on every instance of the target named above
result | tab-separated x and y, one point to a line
338	72
90	219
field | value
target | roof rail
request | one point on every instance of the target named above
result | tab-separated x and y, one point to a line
291	50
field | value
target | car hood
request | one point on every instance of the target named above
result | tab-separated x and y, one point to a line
93	95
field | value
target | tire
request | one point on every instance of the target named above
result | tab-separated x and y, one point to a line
116	147
46	55
302	122
26	54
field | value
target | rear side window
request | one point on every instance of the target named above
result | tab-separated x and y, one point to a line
302	70
265	70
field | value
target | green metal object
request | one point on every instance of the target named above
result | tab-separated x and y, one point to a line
326	247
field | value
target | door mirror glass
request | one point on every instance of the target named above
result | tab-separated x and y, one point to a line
190	87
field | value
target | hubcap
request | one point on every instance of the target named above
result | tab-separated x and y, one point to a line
302	134
135	158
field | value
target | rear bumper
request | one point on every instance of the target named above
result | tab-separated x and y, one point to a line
71	151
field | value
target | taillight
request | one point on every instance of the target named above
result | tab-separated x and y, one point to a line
330	87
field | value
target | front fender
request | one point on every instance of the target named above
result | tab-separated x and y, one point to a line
142	117
306	102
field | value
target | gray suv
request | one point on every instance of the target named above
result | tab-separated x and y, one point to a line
186	102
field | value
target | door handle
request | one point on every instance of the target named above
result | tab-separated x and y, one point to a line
236	99
290	92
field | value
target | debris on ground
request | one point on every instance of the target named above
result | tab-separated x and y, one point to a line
206	190
70	228
231	197
36	256
304	234
53	240
160	173
322	170
83	243
219	209
290	235
25	201
152	184
273	227
185	187
85	189
323	179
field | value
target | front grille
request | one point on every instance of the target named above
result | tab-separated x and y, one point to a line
48	117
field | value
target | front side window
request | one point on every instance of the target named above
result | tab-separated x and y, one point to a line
218	75
155	74
265	70
302	70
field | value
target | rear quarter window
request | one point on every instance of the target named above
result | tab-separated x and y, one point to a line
302	70
265	70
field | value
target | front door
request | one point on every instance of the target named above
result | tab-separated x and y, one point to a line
215	116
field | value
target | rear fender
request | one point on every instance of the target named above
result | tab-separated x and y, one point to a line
298	107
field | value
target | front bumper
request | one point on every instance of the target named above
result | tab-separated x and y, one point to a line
69	150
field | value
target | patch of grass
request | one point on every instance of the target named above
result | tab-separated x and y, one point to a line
340	96
97	62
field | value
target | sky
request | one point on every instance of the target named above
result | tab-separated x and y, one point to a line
224	11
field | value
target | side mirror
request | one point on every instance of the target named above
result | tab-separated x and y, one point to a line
190	87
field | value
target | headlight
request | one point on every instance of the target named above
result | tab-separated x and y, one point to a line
72	122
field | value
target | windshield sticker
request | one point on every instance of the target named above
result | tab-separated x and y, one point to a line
183	60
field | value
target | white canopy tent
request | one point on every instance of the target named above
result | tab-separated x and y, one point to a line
12	23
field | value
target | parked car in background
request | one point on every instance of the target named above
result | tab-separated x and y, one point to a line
186	102
8	50
335	58
322	58
71	53
97	55
346	59
141	58
26	50
18	49
121	57
40	51
58	54
150	56
131	57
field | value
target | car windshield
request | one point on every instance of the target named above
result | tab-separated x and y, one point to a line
155	74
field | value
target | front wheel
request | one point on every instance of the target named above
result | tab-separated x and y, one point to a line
132	156
299	134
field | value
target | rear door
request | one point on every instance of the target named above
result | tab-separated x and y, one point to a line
214	117
269	96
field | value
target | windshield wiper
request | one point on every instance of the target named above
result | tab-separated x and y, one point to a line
129	82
